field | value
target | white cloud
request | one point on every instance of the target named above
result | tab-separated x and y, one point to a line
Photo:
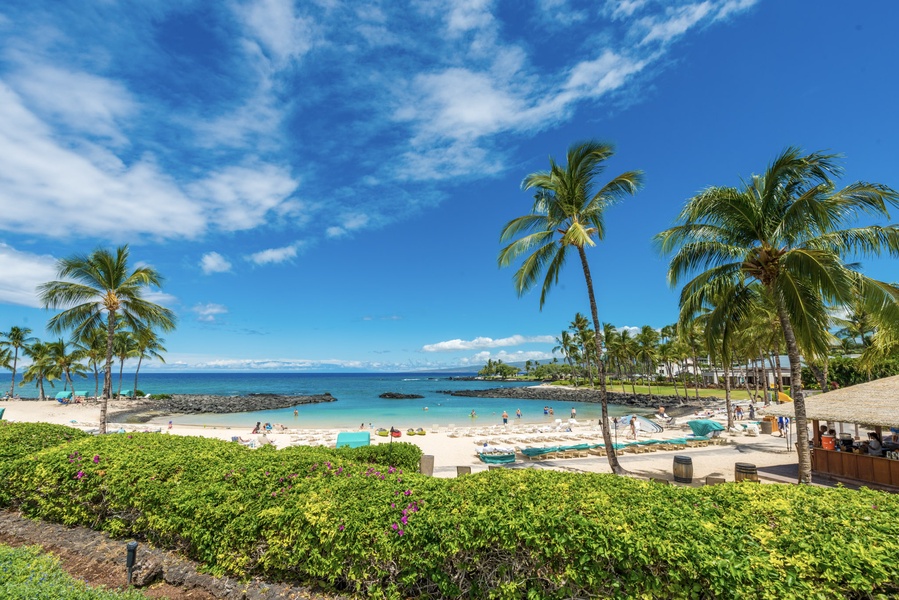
675	23
486	342
160	297
623	9
274	255
274	24
209	312
21	273
213	262
481	358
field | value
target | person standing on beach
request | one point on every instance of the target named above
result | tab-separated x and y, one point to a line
518	414
505	418
573	412
296	413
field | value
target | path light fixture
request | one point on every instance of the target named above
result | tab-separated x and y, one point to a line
130	558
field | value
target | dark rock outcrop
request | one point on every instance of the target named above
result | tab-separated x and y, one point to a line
200	403
398	396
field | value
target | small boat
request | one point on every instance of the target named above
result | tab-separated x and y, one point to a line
410	431
381	432
420	431
395	433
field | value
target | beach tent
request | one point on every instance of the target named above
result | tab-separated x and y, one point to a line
63	395
354	439
645	424
124	393
704	426
82	394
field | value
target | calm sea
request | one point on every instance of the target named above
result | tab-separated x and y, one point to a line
357	399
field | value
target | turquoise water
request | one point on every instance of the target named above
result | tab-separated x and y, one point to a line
357	399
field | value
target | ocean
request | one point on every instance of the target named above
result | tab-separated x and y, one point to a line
357	399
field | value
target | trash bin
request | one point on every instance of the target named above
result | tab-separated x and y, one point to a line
683	469
828	442
463	471
746	472
765	427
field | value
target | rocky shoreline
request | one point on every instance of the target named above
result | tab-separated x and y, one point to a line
193	404
567	394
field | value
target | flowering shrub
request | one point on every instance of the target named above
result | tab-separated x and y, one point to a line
382	530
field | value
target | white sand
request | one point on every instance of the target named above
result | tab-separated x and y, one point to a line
450	452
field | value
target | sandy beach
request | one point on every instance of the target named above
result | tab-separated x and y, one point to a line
457	446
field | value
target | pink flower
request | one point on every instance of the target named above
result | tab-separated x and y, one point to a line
395	526
96	459
407	493
400	532
404	520
341	528
79	474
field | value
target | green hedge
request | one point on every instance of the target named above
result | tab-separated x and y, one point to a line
315	515
29	572
22	439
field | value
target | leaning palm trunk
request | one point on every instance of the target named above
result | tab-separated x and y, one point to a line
727	403
136	371
805	459
107	376
611	452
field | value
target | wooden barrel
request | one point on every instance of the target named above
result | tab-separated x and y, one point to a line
745	472
683	469
463	471
766	427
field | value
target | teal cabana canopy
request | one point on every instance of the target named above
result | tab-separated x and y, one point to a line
82	394
63	395
125	393
705	426
354	439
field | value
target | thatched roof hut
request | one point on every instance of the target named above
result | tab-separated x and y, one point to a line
875	403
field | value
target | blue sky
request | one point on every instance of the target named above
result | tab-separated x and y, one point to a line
322	184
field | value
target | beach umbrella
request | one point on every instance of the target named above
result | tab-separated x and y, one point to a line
646	425
783	397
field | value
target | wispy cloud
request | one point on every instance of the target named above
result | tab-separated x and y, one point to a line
213	262
486	342
274	255
22	273
209	313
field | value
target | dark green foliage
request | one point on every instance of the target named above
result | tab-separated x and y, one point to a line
22	439
29	572
160	396
846	371
315	514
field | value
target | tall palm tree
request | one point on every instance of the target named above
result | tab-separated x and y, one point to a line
647	352
42	367
150	345
787	230
568	347
124	346
15	338
66	363
568	213
100	290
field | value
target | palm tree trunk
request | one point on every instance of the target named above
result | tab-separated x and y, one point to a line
121	368
40	387
12	385
695	374
646	368
727	404
96	380
746	381
107	376
764	375
805	458
136	371
611	452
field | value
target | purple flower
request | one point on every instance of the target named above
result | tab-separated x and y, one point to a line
407	493
391	471
96	459
404	520
400	532
79	474
341	528
392	505
395	526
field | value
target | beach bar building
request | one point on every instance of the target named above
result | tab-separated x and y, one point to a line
874	406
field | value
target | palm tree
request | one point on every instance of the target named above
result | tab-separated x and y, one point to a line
93	344
15	338
784	229
124	346
647	353
100	291
568	212
583	337
42	367
150	345
66	363
568	348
